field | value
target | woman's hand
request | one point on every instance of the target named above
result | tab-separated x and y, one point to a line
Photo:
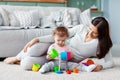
98	68
29	44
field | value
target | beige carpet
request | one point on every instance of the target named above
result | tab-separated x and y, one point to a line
15	72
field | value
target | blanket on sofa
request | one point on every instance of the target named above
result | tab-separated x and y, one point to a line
15	72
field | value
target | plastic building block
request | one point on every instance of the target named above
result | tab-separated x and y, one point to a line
59	72
56	68
35	67
68	71
75	70
53	53
65	55
84	63
89	62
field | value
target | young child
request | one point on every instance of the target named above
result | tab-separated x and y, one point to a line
60	35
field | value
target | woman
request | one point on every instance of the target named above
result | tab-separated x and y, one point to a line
84	42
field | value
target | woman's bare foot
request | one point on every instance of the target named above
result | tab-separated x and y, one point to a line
11	60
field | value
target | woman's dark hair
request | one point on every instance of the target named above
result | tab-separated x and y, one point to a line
105	42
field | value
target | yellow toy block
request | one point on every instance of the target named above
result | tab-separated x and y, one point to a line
35	67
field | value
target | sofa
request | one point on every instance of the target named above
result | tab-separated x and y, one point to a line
20	24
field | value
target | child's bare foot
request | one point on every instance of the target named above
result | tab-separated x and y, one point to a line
11	60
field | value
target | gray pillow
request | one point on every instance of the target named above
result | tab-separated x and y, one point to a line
1	20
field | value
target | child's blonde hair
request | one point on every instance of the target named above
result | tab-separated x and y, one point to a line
61	31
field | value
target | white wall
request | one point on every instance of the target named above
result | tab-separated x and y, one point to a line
112	12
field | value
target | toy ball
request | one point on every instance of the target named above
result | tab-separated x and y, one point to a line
53	53
89	62
65	55
35	67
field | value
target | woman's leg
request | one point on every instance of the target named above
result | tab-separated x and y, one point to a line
34	51
11	60
27	62
15	59
35	54
38	49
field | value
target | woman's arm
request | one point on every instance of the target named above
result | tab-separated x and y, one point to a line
75	29
109	63
47	38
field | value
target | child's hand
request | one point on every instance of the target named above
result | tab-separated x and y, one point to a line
48	57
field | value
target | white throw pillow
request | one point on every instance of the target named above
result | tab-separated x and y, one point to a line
28	18
67	22
1	20
47	22
85	17
4	16
62	18
13	20
74	16
58	17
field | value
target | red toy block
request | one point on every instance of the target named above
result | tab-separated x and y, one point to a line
68	71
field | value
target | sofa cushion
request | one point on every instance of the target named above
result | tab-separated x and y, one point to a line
4	16
28	18
11	45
